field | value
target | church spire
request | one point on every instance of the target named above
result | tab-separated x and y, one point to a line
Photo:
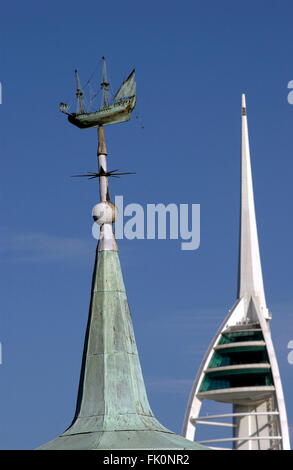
112	409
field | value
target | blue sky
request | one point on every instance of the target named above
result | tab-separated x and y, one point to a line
193	61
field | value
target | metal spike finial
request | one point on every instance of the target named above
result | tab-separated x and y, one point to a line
243	108
113	173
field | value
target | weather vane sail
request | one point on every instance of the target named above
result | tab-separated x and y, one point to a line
111	111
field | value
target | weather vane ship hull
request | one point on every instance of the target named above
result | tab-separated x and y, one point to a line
118	112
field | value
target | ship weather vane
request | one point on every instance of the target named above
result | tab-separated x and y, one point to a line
111	112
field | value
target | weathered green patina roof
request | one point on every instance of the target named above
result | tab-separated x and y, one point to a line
112	410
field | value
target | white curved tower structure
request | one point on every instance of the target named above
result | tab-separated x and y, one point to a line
240	366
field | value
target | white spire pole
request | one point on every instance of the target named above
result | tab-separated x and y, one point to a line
250	272
105	212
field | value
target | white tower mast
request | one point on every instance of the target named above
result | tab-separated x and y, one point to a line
240	366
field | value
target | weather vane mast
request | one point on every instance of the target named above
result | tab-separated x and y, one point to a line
105	84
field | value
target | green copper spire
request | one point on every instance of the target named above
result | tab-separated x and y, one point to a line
112	410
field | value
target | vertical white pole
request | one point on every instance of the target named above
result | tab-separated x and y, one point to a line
107	240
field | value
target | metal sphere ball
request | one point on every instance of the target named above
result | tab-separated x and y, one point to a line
104	213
